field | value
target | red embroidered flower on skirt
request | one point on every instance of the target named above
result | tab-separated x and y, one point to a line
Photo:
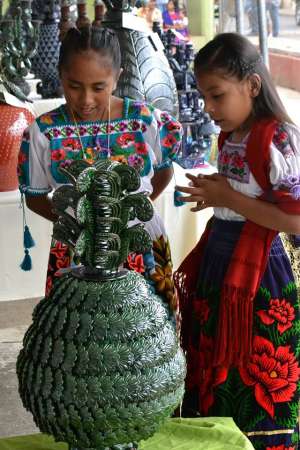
49	284
59	250
272	372
280	447
200	372
280	311
201	310
135	262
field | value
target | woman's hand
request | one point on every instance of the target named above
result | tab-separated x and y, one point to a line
207	191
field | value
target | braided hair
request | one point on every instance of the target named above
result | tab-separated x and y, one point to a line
234	55
101	40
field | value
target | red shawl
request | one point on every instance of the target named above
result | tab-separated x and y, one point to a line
247	264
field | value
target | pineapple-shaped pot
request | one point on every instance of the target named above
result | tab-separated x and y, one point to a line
146	74
101	366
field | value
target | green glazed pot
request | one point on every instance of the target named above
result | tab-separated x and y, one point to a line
101	366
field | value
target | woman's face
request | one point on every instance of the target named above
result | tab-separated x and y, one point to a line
88	81
170	6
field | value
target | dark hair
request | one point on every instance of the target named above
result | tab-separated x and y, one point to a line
176	5
236	56
102	40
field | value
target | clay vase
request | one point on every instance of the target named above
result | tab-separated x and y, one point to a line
101	367
14	120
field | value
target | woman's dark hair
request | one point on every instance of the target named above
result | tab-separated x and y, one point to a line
101	40
176	4
234	55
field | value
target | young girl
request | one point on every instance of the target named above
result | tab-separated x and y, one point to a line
95	124
238	297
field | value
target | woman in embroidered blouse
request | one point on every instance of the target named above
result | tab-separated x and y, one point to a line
173	18
238	296
95	124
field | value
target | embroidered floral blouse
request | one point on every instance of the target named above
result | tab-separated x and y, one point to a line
144	137
284	167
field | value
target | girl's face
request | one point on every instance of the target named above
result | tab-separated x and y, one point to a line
170	6
228	101
88	81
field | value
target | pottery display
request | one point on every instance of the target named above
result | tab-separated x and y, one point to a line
101	367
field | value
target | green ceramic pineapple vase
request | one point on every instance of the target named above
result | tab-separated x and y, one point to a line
101	366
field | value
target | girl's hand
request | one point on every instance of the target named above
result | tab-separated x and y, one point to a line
207	191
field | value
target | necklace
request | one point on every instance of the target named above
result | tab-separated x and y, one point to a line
108	129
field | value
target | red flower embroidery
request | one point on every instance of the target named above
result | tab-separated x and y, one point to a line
22	157
136	263
49	284
125	140
272	373
70	143
201	310
58	155
280	447
169	141
59	250
141	148
280	311
224	158
208	377
173	126
238	162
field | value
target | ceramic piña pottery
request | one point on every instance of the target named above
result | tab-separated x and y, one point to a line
44	63
146	74
101	367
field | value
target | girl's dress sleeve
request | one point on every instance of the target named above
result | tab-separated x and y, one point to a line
165	136
285	160
34	162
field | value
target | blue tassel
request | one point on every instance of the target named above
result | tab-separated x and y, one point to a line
176	201
28	240
26	263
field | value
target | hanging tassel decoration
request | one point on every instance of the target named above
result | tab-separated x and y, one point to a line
26	263
177	202
28	241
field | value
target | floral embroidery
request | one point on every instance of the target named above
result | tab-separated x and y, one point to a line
119	158
282	142
70	143
174	126
280	311
292	183
169	141
280	447
273	373
136	161
47	119
201	310
125	140
232	163
209	377
141	148
135	262
58	155
22	157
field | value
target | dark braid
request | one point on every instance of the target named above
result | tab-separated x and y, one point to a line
234	55
101	40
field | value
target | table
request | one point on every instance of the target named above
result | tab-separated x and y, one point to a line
219	433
